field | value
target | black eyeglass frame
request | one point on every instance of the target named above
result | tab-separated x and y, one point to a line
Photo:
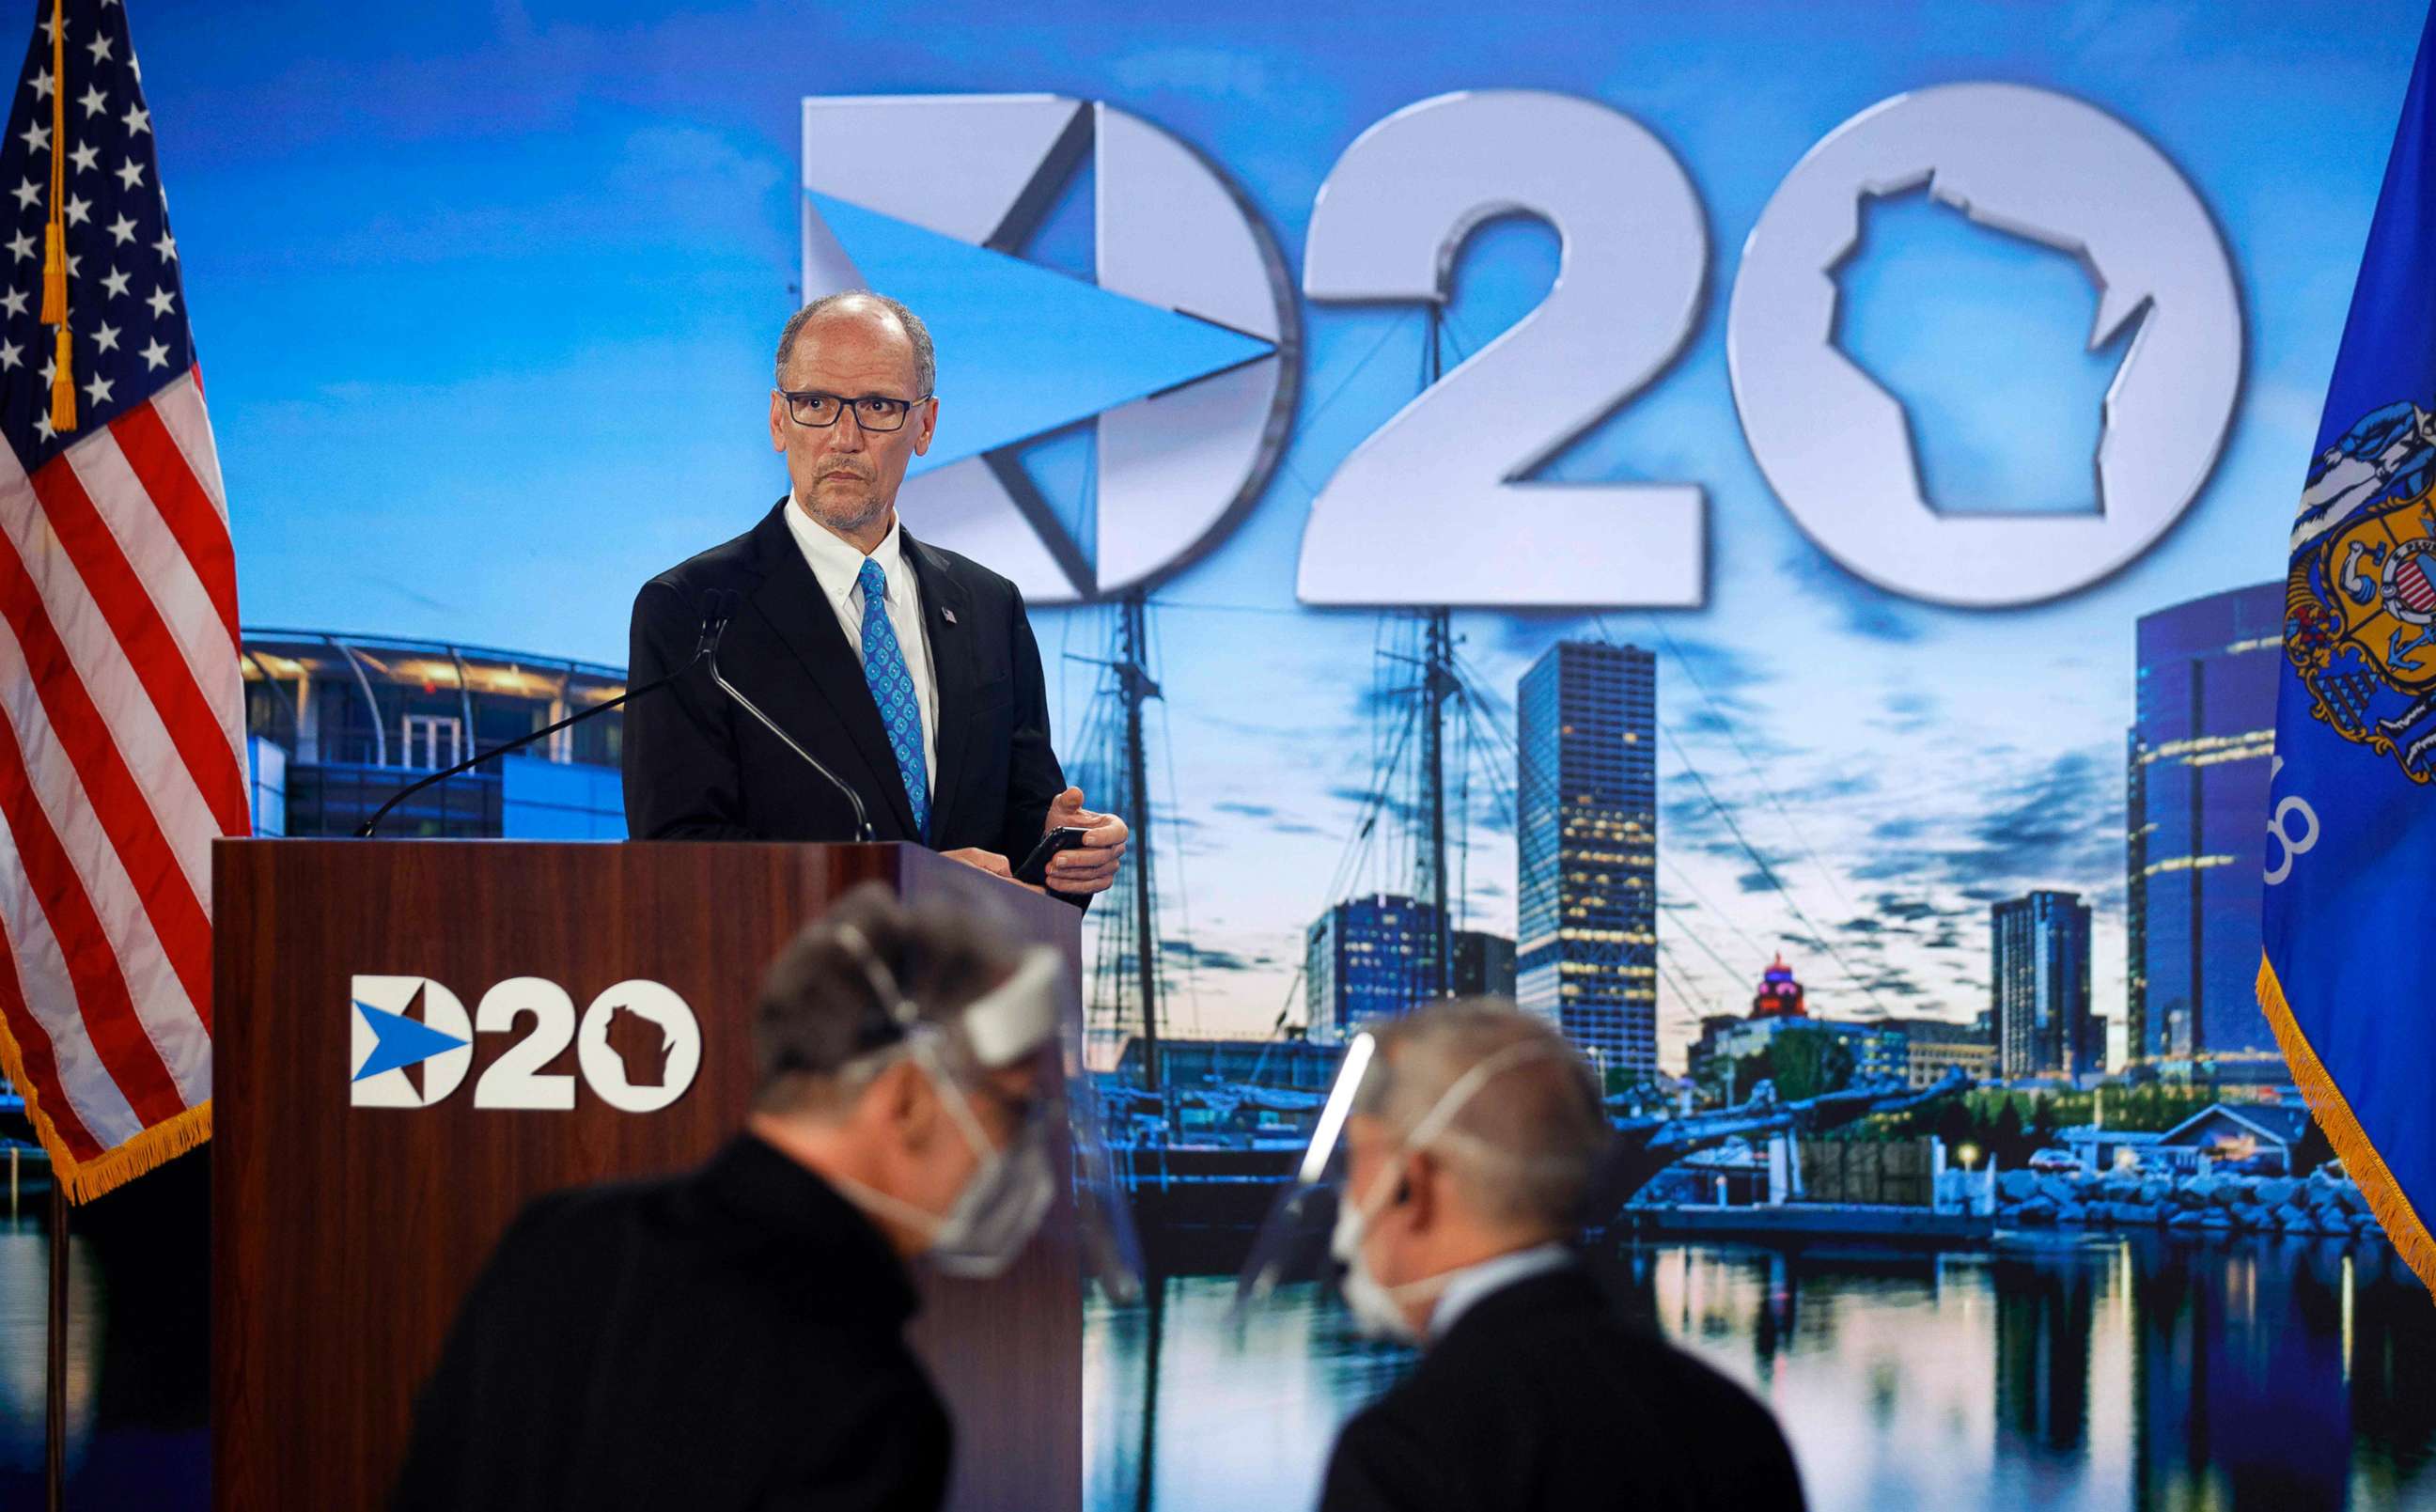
846	405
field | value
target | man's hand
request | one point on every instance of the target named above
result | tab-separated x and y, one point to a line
1091	866
987	861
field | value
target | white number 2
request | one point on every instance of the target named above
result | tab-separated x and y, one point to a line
1428	510
515	1079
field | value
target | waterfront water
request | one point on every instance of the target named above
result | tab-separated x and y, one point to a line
2072	1372
138	1346
2087	1373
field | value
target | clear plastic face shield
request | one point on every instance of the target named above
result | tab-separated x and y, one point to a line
1316	1228
1293	1242
1013	1185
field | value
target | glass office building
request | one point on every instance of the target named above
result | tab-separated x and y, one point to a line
1368	958
1586	946
2198	759
2039	992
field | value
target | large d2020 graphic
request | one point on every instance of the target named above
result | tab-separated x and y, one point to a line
1182	356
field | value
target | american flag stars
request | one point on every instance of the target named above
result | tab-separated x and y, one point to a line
126	310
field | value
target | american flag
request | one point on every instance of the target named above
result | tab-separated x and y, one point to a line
122	734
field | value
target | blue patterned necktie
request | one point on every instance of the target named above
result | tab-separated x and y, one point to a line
892	689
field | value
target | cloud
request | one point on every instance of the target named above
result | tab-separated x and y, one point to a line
1912	711
1526	635
1756	881
1865	609
1903	826
1836	788
1720	671
1205	958
1875	617
1909	909
1689	808
2063	821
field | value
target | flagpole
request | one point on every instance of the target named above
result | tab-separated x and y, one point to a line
54	1397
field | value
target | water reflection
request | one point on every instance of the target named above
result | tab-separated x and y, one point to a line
25	1306
139	1280
2107	1372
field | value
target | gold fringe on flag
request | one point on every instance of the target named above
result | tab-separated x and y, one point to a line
54	234
2361	1161
84	1181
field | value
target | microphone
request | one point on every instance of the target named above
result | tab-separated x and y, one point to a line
861	816
717	606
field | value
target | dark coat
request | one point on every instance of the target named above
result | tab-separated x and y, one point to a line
1540	1398
733	1338
697	767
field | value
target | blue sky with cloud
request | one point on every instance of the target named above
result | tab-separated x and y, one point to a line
485	296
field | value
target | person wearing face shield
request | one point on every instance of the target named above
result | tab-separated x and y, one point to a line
1475	1137
733	1337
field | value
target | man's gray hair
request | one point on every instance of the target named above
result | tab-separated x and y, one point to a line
1526	1148
823	1027
926	360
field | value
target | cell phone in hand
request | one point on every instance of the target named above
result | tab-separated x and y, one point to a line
1036	867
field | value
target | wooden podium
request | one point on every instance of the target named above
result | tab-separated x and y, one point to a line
344	1235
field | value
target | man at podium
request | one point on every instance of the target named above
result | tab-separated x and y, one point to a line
905	672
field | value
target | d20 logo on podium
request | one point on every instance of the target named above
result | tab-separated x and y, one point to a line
406	1025
1181	354
638	1047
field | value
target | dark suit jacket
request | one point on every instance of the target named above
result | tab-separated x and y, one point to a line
1540	1398
730	1338
697	767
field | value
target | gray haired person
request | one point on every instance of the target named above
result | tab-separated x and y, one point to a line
1476	1133
733	1337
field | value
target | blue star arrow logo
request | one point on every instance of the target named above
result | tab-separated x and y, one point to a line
1054	349
400	1041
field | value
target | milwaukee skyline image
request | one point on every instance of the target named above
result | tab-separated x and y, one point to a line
1647	904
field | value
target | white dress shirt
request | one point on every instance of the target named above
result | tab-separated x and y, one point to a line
838	568
1495	1274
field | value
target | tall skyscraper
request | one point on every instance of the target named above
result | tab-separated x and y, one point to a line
2040	995
2199	756
1367	958
1483	964
1587	849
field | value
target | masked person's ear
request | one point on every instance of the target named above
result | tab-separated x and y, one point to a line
908	1104
1417	1188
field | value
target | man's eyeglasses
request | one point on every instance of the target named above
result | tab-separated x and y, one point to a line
872	411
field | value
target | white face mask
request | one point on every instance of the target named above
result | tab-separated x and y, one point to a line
1002	1204
999	1206
1379	1309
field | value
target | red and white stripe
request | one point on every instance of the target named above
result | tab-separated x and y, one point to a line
122	756
2413	587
